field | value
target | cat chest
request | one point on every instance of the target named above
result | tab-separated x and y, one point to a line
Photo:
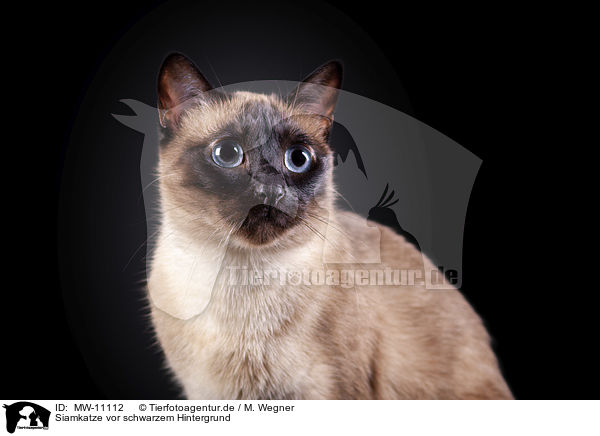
228	363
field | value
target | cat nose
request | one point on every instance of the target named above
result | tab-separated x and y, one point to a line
269	194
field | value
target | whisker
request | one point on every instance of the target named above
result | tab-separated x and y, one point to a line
335	191
214	72
328	222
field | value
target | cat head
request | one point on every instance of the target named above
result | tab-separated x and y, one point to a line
250	167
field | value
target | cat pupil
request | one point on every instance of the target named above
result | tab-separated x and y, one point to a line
298	158
228	153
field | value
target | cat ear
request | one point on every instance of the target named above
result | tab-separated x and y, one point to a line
180	84
317	94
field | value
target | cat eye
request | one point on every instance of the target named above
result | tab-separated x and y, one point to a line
227	154
298	159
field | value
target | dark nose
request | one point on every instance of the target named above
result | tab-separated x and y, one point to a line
269	194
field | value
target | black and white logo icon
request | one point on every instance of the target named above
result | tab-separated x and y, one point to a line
26	415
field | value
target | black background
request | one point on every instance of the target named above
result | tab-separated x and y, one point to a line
473	80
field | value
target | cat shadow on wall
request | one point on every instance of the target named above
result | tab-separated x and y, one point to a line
382	213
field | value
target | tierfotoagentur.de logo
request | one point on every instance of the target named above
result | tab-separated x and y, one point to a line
24	415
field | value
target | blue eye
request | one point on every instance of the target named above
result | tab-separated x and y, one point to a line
298	159
227	154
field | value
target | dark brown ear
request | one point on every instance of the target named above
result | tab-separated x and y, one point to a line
317	94
180	84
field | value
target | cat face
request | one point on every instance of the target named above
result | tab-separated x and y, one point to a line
245	166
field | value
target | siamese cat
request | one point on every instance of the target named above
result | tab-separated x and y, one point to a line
250	176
